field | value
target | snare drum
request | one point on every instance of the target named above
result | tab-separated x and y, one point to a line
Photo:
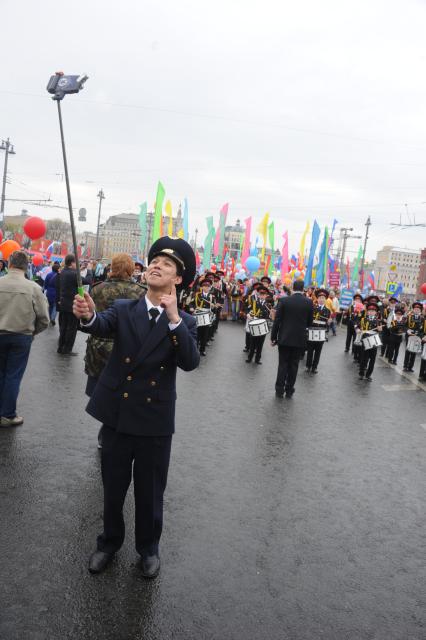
258	327
414	344
203	318
358	339
371	341
316	335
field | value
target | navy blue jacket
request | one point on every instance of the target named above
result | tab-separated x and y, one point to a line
136	391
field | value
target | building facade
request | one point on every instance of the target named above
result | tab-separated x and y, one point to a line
401	266
422	275
234	236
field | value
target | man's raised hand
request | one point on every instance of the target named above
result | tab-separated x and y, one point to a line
83	308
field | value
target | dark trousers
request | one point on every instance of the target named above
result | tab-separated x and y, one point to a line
385	340
247	341
409	359
14	351
392	350
256	346
313	354
288	365
203	334
422	372
367	362
68	325
149	457
350	335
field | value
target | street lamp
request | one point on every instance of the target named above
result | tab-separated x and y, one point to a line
8	147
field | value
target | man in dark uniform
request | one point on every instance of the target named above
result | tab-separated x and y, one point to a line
135	397
260	310
321	321
66	288
293	316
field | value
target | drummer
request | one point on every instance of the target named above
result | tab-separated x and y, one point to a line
388	315
370	322
415	328
353	315
250	298
204	300
321	321
397	328
259	309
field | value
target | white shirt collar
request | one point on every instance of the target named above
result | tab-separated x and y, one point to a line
149	305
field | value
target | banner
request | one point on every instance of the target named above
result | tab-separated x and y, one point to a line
262	229
322	261
346	298
246	246
271	234
355	271
168	210
158	213
207	257
284	262
302	247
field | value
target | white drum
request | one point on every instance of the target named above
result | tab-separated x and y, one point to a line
371	341
414	344
358	339
316	335
424	353
258	327
203	318
212	317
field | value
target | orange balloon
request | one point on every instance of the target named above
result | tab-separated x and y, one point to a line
8	247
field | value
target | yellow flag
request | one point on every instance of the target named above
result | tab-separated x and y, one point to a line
181	234
168	210
302	245
263	230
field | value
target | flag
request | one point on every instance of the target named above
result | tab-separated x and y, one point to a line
267	265
263	229
208	244
322	260
271	233
355	271
314	242
197	259
168	210
284	262
348	273
222	223
158	217
246	246
302	246
143	208
371	280
185	220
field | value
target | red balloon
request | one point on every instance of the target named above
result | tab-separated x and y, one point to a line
423	288
8	247
35	228
38	259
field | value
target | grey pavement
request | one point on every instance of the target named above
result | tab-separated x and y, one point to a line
284	519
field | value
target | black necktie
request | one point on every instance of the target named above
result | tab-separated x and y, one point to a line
153	312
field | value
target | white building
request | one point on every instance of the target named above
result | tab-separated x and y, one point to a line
397	265
120	234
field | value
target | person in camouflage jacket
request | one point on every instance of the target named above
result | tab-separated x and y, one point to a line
119	284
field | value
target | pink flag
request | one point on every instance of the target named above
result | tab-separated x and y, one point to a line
220	233
284	261
246	246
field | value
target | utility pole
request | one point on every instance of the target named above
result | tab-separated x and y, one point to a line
9	149
346	236
101	197
367	226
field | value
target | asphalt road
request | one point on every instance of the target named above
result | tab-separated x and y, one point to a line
284	519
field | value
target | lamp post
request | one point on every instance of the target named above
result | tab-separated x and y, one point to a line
8	148
101	197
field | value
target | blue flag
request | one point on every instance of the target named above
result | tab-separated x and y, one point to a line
314	241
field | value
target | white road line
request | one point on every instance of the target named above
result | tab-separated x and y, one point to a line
423	426
399	387
404	374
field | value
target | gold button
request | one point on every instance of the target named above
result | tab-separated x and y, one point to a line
153	383
127	360
125	395
129	378
148	399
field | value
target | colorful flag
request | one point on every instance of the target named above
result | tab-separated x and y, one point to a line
246	247
371	280
158	214
316	231
355	271
143	209
168	210
267	265
271	234
185	220
208	244
322	261
222	224
284	261
263	229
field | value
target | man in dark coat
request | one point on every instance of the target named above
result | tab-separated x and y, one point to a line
135	397
293	316
66	288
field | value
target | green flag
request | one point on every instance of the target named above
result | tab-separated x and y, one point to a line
271	233
158	212
208	242
142	226
355	272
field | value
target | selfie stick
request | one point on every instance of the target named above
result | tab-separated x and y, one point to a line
60	85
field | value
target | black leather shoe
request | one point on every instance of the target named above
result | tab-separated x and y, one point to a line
279	394
314	371
248	360
258	362
150	566
99	560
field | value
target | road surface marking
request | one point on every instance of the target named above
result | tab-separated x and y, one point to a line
399	387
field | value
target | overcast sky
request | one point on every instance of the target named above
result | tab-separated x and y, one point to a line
304	109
